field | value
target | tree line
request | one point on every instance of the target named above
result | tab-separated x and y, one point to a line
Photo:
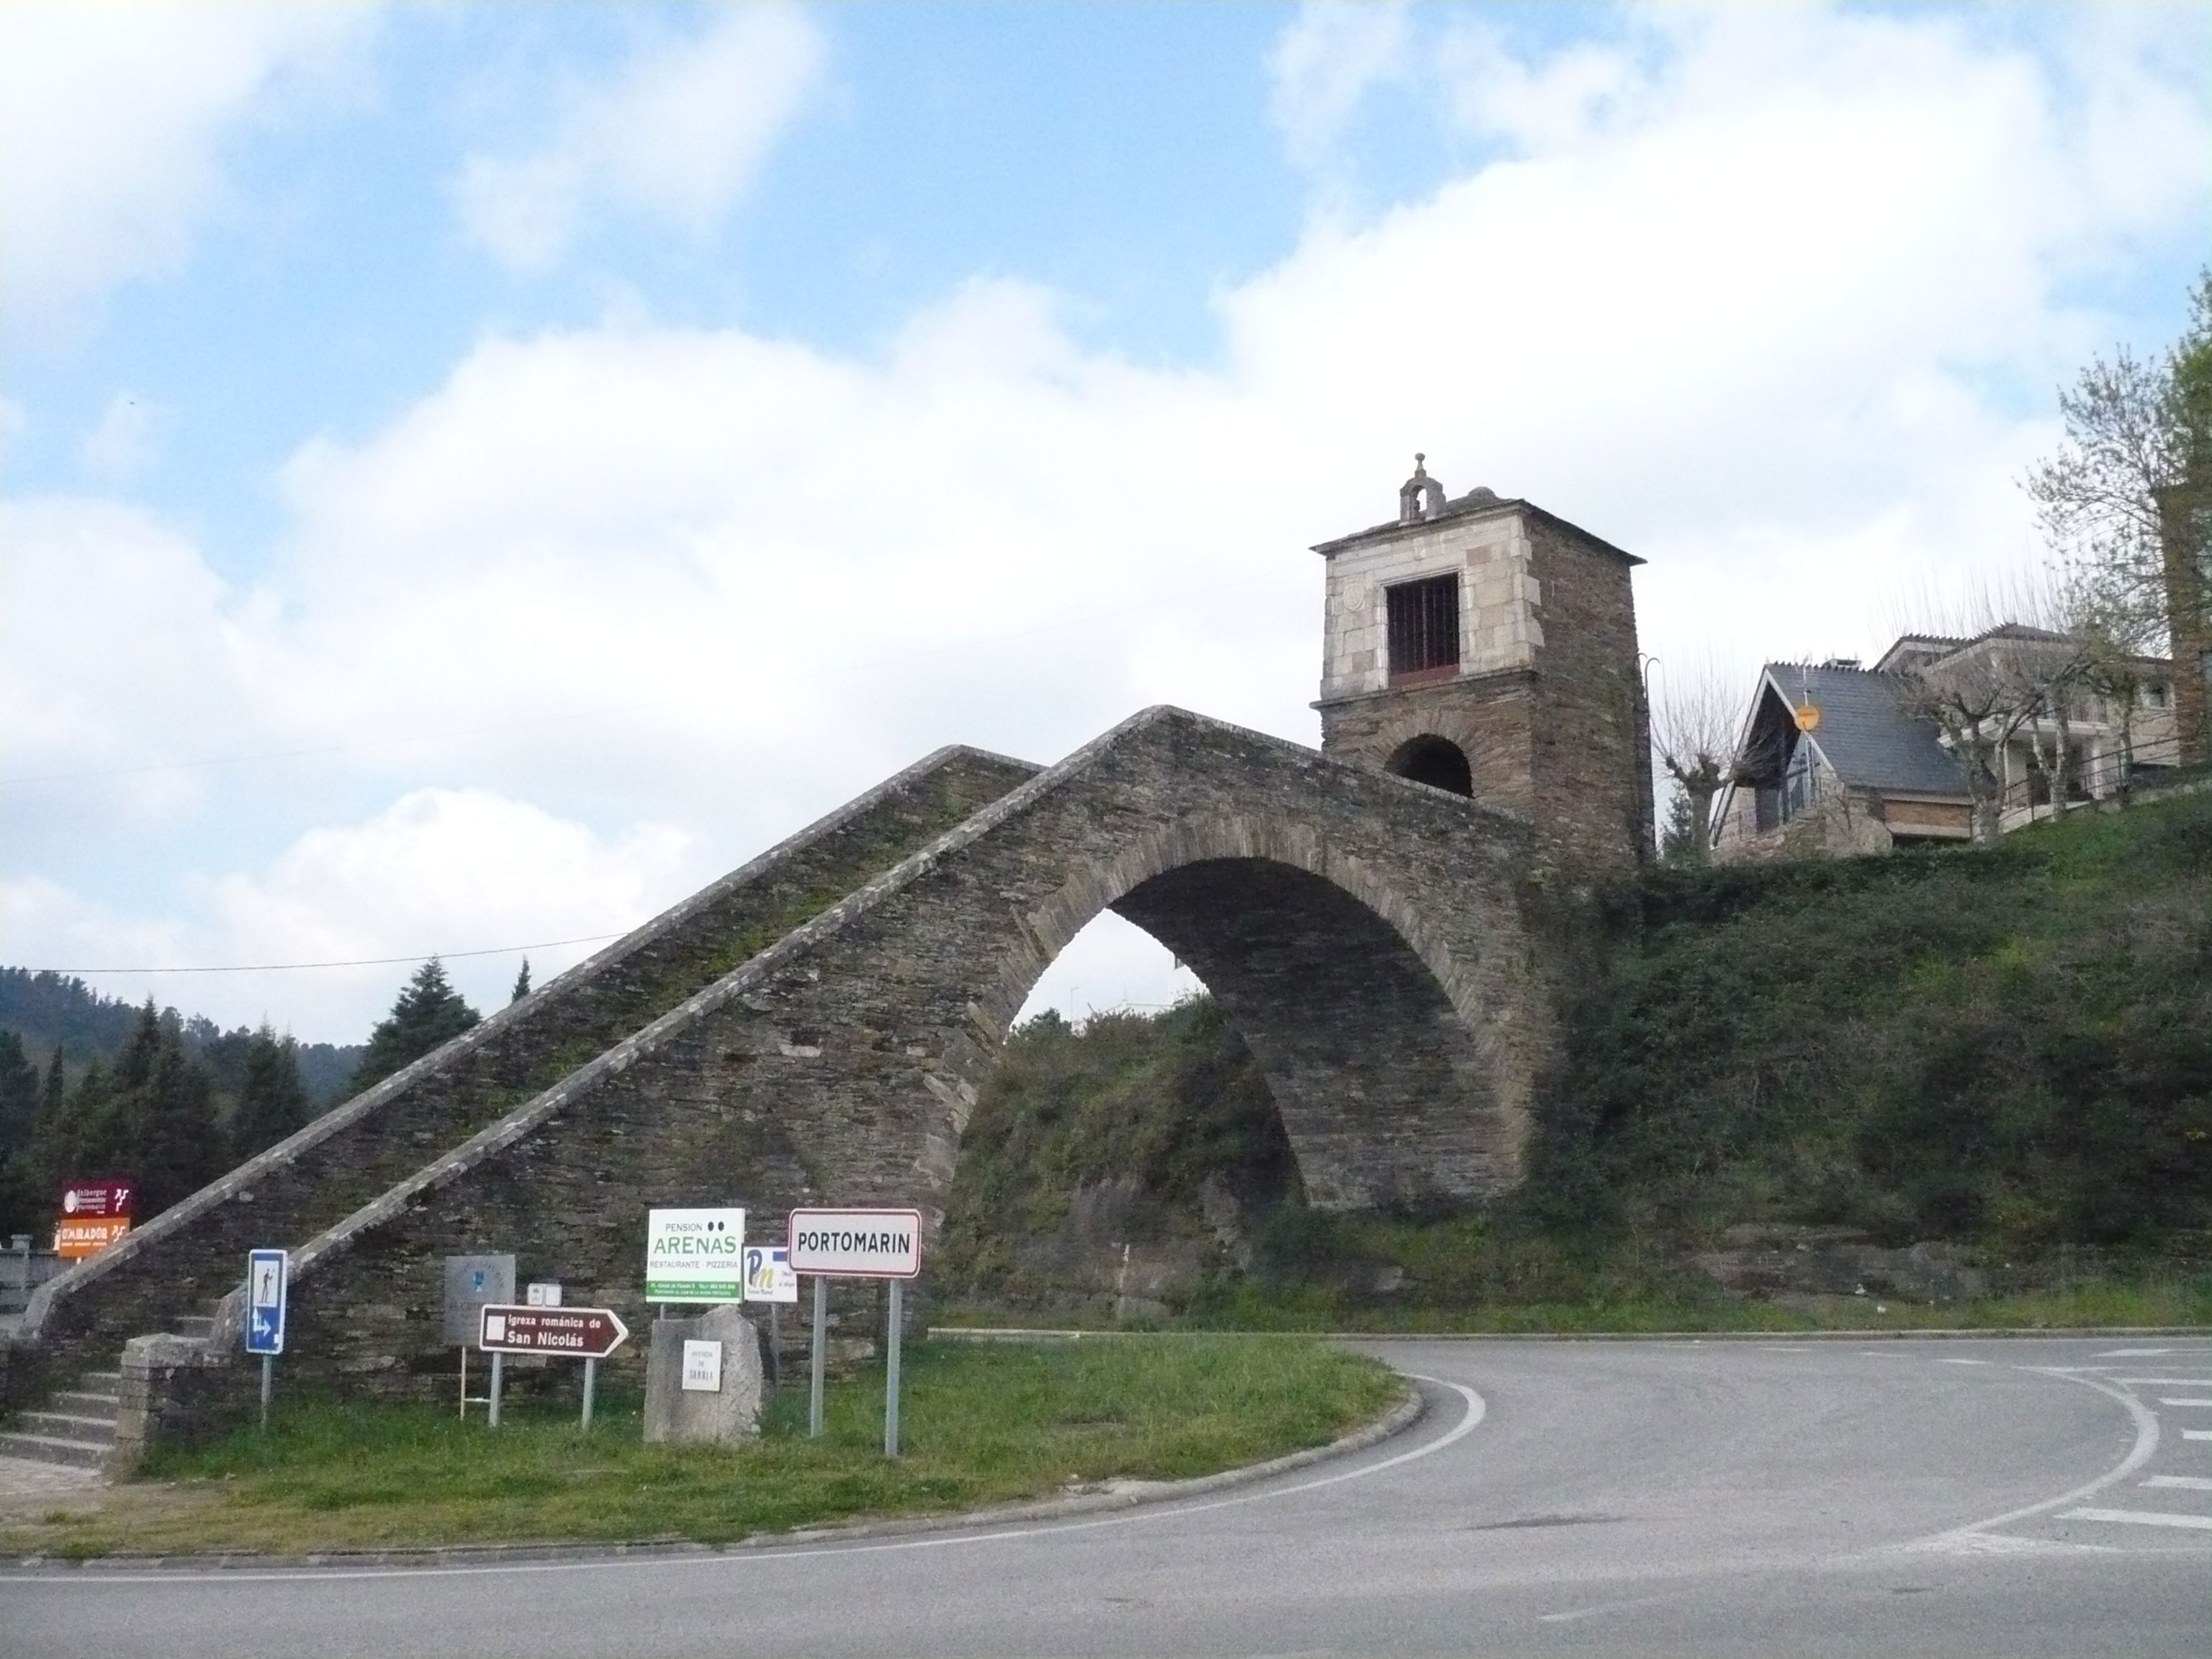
173	1107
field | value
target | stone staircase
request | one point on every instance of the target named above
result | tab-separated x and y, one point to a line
77	1427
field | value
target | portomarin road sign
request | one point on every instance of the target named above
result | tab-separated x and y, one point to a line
856	1243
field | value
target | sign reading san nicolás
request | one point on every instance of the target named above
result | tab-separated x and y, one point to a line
694	1255
579	1333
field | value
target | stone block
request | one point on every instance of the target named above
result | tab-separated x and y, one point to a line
727	1413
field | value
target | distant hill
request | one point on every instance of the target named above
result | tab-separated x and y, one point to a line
52	1011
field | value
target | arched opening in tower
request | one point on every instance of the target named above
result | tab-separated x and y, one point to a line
1438	761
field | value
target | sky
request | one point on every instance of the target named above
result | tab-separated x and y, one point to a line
471	474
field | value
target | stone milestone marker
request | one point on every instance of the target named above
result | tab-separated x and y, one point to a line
729	1411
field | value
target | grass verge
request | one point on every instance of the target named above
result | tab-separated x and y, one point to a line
979	1426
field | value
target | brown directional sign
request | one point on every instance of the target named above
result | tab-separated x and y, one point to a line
579	1333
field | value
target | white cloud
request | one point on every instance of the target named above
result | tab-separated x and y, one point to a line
1325	65
117	651
125	440
457	870
676	138
112	120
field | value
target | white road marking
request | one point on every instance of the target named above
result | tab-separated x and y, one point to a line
1963	1362
2137	1353
1476	1409
1569	1618
2166	1381
2196	1434
2180	1482
2185	1400
2140	1518
1976	1534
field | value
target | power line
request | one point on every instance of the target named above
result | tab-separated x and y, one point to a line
357	961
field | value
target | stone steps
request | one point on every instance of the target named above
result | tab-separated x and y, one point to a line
79	1431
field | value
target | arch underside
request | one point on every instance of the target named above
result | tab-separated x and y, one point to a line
1383	1090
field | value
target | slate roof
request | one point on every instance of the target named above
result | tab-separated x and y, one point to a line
1865	732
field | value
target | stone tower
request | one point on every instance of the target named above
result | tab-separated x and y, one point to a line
1482	646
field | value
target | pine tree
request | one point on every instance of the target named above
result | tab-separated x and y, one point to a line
273	1102
521	982
428	1014
1681	839
19	1121
50	1133
178	1148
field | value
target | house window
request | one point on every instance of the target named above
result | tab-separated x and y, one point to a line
1424	628
1801	786
2155	694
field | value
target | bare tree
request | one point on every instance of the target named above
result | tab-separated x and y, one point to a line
1694	722
2098	498
2126	504
2114	642
1983	699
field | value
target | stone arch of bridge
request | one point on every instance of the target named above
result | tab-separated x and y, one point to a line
1376	1046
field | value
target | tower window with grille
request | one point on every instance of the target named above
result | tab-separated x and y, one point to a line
1424	630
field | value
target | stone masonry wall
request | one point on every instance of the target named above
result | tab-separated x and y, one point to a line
1365	933
1592	749
183	1260
1492	719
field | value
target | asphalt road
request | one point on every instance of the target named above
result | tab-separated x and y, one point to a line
1893	1497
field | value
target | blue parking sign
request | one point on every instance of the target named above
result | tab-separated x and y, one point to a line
268	1275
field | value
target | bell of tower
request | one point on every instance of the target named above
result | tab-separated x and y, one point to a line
1480	645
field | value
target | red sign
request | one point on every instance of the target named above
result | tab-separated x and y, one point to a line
579	1333
95	1214
75	1240
82	1201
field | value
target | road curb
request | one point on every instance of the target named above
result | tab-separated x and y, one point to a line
1120	1495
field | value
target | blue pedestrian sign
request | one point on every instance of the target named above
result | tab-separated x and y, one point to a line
268	1274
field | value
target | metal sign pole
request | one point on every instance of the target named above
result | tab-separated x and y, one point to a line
891	1377
591	1383
814	1394
268	1371
465	1385
498	1376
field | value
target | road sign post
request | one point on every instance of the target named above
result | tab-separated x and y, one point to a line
858	1244
268	1283
892	1376
814	1361
587	1334
769	1279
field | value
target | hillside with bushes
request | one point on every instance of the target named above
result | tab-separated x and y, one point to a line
2004	1053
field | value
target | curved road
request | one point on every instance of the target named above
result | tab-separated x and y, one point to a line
2007	1497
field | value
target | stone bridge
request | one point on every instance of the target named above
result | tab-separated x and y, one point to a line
814	1028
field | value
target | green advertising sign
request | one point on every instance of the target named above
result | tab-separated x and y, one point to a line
694	1255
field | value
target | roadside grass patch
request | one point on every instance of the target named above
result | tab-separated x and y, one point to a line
980	1425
